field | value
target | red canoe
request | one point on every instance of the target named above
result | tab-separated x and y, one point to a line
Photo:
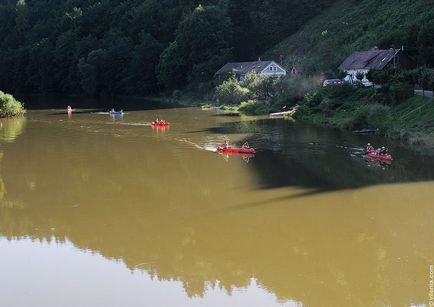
165	124
380	157
236	150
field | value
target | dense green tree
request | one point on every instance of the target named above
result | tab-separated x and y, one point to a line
170	67
202	45
425	42
104	70
115	47
141	77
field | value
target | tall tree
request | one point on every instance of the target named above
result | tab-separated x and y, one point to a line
203	44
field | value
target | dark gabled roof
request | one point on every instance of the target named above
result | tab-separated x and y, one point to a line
242	68
371	59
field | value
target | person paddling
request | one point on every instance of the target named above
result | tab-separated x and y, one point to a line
369	148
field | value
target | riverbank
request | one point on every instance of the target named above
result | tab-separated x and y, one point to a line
410	121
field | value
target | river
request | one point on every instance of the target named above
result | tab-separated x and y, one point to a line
108	211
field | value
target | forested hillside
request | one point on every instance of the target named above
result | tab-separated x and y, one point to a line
325	41
137	47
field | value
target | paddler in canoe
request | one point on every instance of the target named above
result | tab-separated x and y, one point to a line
369	148
379	152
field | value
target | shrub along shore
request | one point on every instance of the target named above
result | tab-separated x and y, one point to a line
390	108
9	106
411	121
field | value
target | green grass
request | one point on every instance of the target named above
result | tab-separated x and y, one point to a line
350	25
414	115
411	121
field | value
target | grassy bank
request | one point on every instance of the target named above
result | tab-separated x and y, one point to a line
411	120
324	42
9	106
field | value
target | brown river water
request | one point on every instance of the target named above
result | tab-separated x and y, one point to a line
103	211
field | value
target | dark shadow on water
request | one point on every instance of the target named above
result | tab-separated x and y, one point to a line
226	114
276	199
319	159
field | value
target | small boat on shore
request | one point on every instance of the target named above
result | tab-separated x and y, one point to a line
364	131
281	114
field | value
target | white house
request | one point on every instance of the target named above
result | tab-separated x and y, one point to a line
376	59
241	69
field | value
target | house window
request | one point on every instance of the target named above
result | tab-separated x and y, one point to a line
271	68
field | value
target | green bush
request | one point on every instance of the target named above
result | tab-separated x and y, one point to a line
263	110
253	107
326	106
249	107
343	91
9	106
313	98
377	76
259	86
230	91
399	92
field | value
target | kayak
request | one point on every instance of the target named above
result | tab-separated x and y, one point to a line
116	113
236	150
165	124
380	157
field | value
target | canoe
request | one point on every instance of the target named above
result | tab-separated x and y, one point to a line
165	124
236	150
281	114
116	113
380	157
364	131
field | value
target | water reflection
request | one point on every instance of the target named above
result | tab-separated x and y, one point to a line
246	157
83	287
185	216
11	128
